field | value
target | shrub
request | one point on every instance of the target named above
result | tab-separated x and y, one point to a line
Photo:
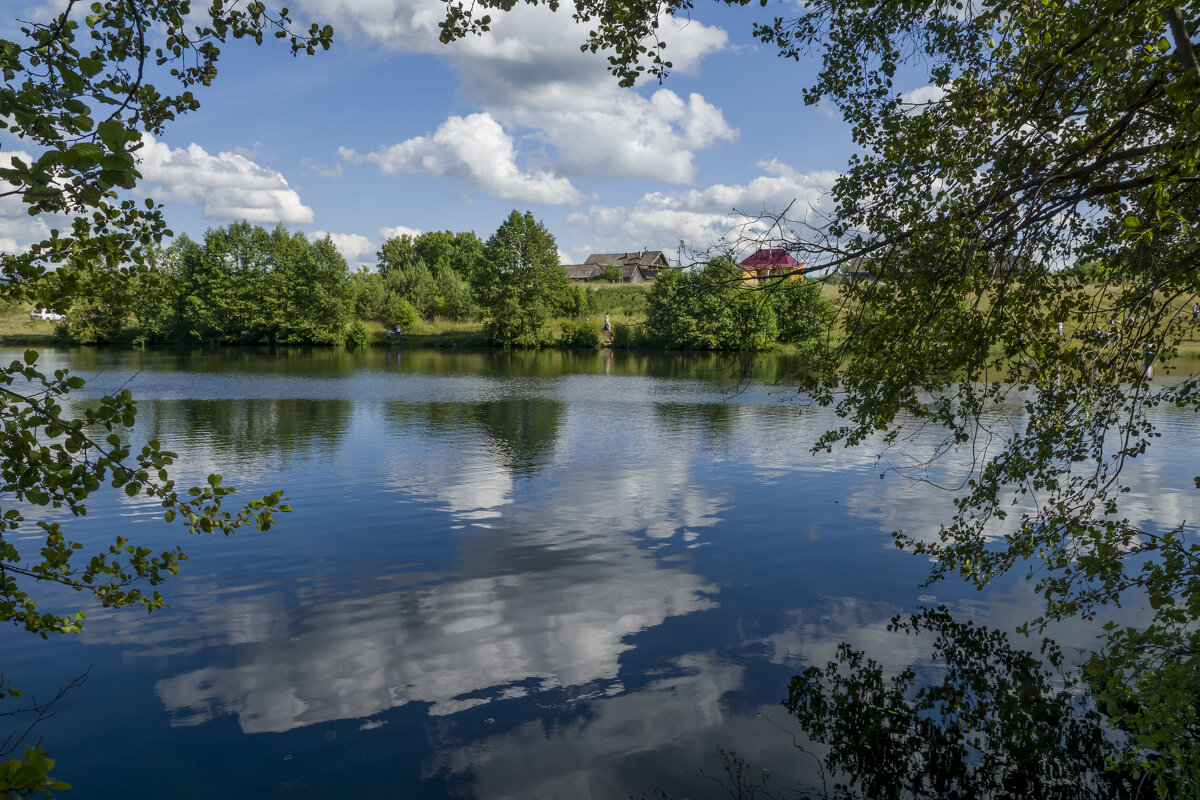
579	334
800	311
710	309
626	334
508	333
91	324
575	301
399	310
512	326
357	335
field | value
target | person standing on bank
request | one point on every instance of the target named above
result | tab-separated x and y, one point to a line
607	327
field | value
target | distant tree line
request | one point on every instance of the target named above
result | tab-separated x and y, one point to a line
422	277
513	282
246	285
243	284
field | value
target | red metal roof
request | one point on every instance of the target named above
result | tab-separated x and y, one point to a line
772	259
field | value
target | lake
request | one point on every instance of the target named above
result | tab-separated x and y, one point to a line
551	574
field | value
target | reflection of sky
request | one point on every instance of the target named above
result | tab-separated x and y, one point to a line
571	759
668	730
454	645
471	485
626	567
550	585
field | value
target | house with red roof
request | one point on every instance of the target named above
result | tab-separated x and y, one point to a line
771	263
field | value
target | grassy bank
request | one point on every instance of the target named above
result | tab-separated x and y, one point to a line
16	328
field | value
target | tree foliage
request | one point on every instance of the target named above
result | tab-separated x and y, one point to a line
434	272
579	333
1066	134
713	308
1000	722
708	309
242	285
245	284
522	285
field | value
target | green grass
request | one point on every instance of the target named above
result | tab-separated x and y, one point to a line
16	328
622	301
432	333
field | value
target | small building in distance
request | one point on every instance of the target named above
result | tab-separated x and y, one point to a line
771	263
858	269
635	267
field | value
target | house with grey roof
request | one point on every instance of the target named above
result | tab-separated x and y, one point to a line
635	267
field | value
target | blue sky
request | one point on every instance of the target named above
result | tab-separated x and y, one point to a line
391	131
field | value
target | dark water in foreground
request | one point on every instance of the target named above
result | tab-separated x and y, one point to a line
521	575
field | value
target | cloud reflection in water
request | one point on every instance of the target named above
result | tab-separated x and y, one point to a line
538	604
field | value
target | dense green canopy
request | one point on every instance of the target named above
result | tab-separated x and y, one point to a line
521	284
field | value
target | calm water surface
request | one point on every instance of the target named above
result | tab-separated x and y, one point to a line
506	575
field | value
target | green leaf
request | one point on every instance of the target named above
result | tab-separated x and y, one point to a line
87	150
113	133
90	66
119	162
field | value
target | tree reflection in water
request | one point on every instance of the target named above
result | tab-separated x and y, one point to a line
1002	724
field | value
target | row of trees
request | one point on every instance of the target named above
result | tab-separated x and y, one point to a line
246	285
513	282
516	284
426	276
243	284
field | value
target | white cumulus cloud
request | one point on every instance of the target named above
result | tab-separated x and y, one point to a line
227	186
475	151
10	245
529	75
17	229
702	217
351	245
625	135
398	230
922	97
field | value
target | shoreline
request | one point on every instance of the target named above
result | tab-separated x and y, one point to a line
453	340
